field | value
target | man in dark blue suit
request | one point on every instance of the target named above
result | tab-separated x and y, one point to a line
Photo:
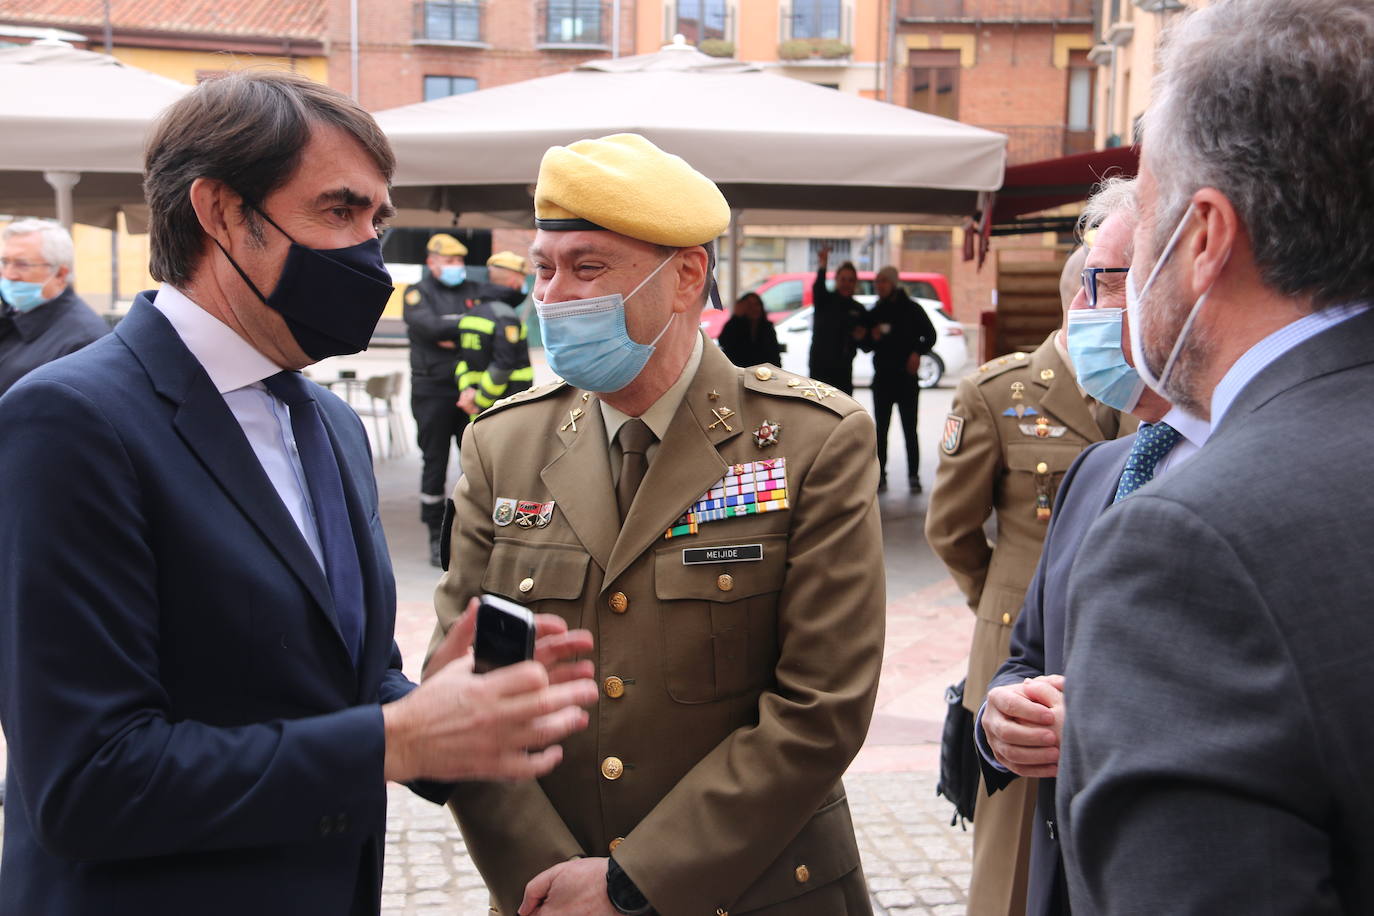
198	682
1020	724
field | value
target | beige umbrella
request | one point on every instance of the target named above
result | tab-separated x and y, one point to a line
75	122
782	150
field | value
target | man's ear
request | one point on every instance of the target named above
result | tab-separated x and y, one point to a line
215	205
692	276
1211	246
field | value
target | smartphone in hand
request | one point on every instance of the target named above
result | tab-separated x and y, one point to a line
505	634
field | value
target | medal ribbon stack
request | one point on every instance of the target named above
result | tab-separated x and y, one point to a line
748	489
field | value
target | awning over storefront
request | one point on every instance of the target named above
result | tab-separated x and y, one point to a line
1038	186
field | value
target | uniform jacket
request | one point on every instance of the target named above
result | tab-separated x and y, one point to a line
187	732
60	326
493	356
1037	639
1223	616
432	311
1006	454
736	693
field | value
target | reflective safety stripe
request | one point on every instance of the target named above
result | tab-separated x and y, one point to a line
477	323
490	388
523	375
470	340
465	378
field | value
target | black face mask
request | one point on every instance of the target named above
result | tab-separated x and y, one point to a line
330	298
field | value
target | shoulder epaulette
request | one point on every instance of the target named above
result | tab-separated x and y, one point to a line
995	367
530	394
780	384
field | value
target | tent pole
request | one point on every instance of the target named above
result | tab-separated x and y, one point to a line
736	231
62	183
114	262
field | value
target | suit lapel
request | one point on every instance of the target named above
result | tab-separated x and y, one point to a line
205	424
1061	397
579	480
687	461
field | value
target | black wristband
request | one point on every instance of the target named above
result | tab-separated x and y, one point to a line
624	896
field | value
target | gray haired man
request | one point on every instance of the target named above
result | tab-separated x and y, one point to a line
41	316
1219	631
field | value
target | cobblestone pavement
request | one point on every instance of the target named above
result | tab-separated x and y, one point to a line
915	861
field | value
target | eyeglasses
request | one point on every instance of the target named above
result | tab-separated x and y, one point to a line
21	265
1090	281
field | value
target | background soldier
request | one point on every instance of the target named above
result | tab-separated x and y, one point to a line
738	650
433	308
1013	430
493	356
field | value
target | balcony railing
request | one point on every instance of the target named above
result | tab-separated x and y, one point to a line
574	23
449	21
997	9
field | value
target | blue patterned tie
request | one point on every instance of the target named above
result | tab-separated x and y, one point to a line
1152	442
341	565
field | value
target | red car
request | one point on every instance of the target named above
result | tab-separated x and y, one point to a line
783	294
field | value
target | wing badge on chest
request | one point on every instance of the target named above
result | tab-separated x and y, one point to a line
749	488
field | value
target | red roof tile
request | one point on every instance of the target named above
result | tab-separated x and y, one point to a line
240	18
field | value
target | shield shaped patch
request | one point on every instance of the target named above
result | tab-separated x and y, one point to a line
954	434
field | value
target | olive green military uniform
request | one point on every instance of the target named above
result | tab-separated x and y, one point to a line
739	657
1013	430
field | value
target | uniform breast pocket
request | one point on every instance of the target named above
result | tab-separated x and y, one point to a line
1044	465
718	615
548	578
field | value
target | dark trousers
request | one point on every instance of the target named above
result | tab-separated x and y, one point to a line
903	393
439	421
838	376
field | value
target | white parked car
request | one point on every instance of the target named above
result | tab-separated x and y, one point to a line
949	354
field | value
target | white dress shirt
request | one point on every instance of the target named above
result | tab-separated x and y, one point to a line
236	370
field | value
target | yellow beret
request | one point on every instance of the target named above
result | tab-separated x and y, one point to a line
446	245
509	260
625	184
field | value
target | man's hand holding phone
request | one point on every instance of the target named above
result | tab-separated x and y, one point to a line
501	725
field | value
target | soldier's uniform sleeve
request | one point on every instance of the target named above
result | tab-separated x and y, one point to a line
424	319
965	490
510	358
509	829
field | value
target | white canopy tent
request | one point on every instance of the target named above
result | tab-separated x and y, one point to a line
73	125
783	151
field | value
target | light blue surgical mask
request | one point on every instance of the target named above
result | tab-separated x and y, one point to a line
1101	367
453	274
586	341
22	294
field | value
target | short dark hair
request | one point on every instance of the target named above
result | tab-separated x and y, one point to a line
247	130
849	266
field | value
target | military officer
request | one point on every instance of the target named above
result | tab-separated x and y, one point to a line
717	529
1013	430
433	308
493	356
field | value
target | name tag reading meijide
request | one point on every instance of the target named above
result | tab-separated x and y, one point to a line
735	553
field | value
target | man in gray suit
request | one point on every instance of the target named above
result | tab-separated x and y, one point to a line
1020	725
1220	642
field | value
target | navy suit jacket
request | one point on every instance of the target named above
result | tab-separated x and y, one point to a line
187	732
1037	639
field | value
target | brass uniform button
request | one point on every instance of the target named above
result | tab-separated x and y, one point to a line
763	373
526	584
1046	375
1019	356
612	768
725	582
615	687
803	874
619	603
1042	468
1006	618
615	844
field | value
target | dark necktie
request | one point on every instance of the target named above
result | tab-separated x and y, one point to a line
1152	442
635	439
322	476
